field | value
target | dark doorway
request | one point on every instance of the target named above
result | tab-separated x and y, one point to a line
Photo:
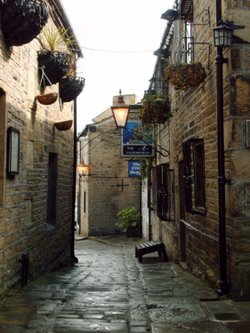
52	184
182	213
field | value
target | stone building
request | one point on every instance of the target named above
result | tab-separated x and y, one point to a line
185	207
109	188
36	147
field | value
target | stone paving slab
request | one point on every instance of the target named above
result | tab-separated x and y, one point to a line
110	291
189	327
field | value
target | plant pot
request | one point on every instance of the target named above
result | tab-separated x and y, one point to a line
47	99
70	87
54	64
64	125
184	76
133	232
155	111
22	20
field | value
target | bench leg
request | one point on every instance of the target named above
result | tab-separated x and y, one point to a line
159	253
164	253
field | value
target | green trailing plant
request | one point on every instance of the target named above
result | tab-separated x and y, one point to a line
184	76
128	218
155	108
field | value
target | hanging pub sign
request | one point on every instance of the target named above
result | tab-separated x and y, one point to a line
134	168
137	140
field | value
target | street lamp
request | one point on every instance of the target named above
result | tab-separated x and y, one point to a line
223	35
222	39
120	112
83	169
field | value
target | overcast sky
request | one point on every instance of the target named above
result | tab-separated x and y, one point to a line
118	39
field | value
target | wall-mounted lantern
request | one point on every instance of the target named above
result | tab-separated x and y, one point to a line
120	112
223	35
83	169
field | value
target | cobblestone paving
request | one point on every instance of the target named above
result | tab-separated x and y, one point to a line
109	291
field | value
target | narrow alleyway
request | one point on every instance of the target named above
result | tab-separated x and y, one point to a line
109	291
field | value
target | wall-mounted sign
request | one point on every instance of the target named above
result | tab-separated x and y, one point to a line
134	168
137	140
13	144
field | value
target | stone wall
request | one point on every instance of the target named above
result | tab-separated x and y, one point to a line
109	189
194	116
23	197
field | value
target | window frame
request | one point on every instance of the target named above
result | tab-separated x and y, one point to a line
194	175
163	192
187	16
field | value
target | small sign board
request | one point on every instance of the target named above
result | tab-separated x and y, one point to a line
137	140
134	168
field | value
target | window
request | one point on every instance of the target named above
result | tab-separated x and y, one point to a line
187	16
188	53
194	174
164	192
52	186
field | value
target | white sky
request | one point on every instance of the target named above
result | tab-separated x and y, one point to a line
133	30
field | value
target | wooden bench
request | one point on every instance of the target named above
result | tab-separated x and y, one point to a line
149	247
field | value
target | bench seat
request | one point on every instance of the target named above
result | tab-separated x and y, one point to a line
149	247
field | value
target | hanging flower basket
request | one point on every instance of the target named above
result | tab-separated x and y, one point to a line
22	20
184	76
64	125
55	65
155	110
47	99
70	87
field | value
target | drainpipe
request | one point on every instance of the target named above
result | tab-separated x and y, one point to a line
223	284
72	250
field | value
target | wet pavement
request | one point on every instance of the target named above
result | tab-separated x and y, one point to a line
110	291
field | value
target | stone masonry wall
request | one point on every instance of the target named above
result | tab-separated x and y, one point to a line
109	171
194	116
23	208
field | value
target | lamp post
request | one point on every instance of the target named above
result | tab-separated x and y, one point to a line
222	38
120	112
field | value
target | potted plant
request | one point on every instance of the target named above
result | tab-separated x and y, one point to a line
70	87
22	20
129	220
155	108
55	58
184	76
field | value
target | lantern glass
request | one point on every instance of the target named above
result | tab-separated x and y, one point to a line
223	36
120	114
83	169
